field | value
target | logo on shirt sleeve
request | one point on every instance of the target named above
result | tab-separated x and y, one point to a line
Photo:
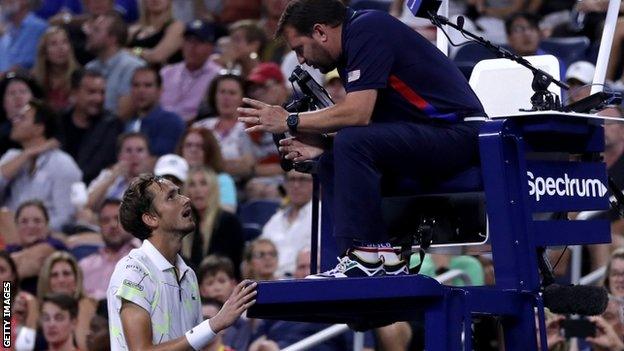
353	76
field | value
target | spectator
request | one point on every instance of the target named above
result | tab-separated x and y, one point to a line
216	278
217	231
133	158
614	145
173	167
157	37
18	43
234	10
40	170
59	314
248	40
60	274
302	263
225	95
334	86
290	227
210	308
267	84
25	308
65	9
16	89
579	77
260	260
35	242
614	274
98	338
185	83
54	67
609	328
274	49
162	128
98	267
200	148
106	38
88	132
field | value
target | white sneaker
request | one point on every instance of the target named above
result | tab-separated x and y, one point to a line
350	266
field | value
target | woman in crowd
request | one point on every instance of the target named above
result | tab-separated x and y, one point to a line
218	231
247	40
59	314
225	95
16	89
54	67
158	36
260	260
34	242
614	274
61	274
200	149
24	305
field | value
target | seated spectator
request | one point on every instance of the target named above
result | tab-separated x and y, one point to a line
133	158
260	260
609	328
248	40
98	267
579	77
217	231
210	308
98	338
173	167
614	144
106	39
200	148
40	170
25	307
157	37
59	322
614	274
16	89
162	128
70	10
185	83
60	274
225	95
88	132
54	67
274	49
35	242
267	84
290	227
18	43
216	278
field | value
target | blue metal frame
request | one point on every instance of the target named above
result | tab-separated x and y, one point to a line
509	149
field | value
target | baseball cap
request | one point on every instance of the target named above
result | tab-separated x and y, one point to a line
264	72
582	71
172	165
202	30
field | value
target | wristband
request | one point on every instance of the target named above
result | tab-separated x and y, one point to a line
200	335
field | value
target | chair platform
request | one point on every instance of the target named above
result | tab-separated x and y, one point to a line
347	300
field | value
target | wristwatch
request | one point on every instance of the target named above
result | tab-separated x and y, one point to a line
292	122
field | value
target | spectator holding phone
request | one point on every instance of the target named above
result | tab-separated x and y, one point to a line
609	328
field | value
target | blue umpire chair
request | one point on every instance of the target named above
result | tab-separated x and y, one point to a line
517	182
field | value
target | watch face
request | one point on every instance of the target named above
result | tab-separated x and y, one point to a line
292	120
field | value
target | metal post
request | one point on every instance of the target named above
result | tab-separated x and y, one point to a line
605	46
441	40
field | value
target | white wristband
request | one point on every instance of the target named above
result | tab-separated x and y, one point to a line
200	335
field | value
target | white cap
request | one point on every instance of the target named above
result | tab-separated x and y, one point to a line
173	165
582	71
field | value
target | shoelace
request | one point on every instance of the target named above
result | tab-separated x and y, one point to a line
341	266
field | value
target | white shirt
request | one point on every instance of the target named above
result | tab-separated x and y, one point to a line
289	237
147	279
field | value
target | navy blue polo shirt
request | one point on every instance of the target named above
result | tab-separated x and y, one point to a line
412	77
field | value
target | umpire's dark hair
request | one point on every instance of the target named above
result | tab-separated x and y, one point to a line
46	116
138	200
64	302
78	75
304	14
531	18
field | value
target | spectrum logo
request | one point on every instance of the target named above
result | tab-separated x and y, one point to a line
566	186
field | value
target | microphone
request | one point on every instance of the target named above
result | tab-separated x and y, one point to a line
575	299
460	22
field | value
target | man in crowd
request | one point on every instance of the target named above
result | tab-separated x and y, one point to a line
579	77
20	38
408	112
88	132
40	170
185	83
98	267
162	128
106	39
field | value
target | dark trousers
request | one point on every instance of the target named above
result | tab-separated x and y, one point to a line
351	173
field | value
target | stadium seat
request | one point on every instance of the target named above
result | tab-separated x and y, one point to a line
468	55
567	50
254	215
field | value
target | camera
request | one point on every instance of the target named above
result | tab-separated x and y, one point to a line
578	328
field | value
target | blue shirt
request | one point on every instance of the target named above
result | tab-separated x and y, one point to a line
163	130
413	79
127	8
18	45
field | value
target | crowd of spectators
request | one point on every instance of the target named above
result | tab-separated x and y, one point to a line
95	92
